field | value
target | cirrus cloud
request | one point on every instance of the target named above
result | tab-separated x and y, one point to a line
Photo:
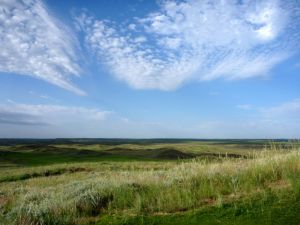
196	40
34	43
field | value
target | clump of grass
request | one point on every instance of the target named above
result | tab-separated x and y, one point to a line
37	209
93	203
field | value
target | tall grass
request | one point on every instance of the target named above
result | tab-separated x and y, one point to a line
164	189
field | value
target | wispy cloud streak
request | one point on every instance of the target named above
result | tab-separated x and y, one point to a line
28	114
196	40
34	43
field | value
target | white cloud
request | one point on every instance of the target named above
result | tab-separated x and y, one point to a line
279	121
46	97
140	39
34	43
132	26
248	128
57	121
196	40
28	120
288	110
26	114
245	106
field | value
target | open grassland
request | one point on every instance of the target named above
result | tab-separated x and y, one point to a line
36	153
151	183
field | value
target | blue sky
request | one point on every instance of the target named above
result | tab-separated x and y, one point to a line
150	69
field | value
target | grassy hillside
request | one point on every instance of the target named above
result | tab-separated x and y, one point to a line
159	183
44	152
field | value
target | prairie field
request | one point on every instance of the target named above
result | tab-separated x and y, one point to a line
149	112
156	181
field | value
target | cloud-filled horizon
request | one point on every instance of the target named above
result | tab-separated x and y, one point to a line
269	123
109	59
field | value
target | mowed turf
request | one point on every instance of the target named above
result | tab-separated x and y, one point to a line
184	182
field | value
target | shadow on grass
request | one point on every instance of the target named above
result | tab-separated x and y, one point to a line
45	173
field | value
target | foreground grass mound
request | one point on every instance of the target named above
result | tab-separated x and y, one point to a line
157	192
269	208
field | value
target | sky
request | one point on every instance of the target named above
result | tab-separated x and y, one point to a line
150	69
